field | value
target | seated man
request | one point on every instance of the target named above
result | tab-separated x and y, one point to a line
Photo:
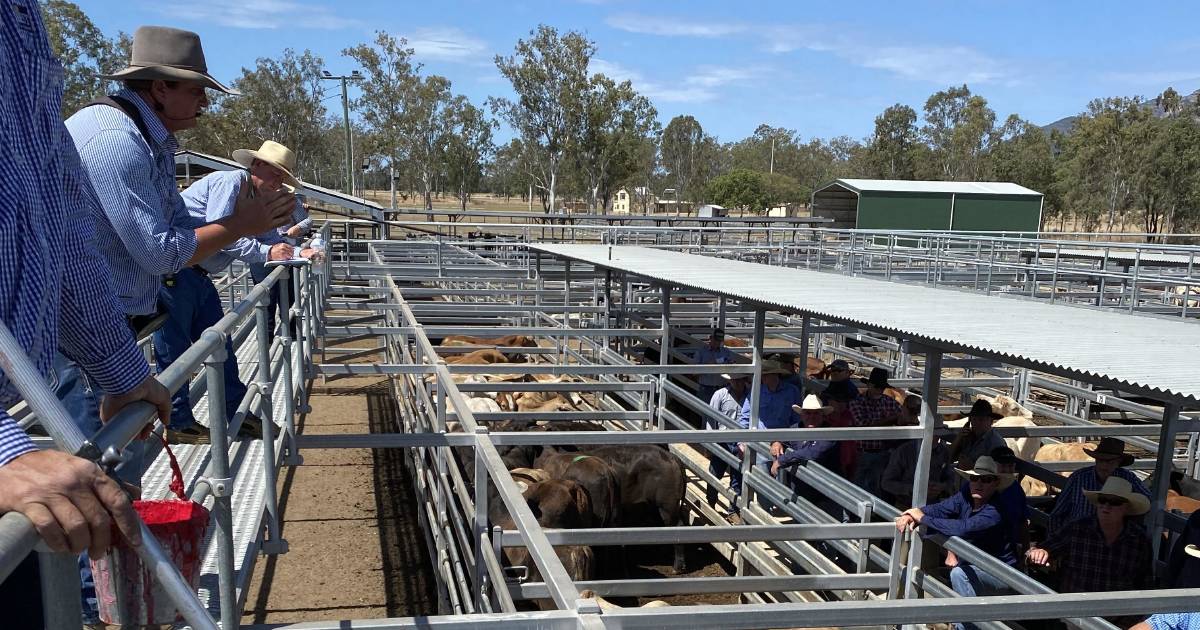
838	397
971	515
875	409
1108	551
901	469
977	439
812	414
1012	503
839	374
1072	503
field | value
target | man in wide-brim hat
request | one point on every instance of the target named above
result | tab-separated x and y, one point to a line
1072	503
875	409
1105	551
977	438
971	515
169	54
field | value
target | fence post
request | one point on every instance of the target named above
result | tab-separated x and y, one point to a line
220	482
60	589
289	401
275	544
929	403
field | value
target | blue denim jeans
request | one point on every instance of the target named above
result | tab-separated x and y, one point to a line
970	581
193	305
82	402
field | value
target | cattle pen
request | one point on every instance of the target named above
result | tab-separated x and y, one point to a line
1086	360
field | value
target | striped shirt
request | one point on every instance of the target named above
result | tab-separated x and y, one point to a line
1175	621
144	229
55	291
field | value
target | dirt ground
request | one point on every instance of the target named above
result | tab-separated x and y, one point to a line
356	550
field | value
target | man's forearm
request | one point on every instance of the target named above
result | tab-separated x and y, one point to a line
210	239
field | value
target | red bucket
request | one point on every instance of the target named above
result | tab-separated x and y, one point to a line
126	590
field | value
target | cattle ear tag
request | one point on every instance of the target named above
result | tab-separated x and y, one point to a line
522	486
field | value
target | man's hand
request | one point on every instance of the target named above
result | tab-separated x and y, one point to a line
149	390
776	449
295	231
1038	556
70	501
915	514
258	214
905	522
281	251
951	559
775	468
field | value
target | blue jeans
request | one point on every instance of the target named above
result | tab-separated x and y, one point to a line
82	402
717	467
970	581
194	306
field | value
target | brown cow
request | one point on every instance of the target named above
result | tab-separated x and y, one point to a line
1066	452
479	357
594	474
507	341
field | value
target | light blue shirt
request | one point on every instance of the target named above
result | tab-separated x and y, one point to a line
142	227
1175	621
213	198
707	356
55	290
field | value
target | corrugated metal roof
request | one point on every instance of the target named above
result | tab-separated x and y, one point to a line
960	188
1136	353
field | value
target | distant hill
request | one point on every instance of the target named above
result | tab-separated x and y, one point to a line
1064	125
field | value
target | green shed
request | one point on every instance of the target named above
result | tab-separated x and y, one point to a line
893	204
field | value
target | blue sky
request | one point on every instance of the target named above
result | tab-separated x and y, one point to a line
821	68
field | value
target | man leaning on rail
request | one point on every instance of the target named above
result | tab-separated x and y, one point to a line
127	144
55	292
971	515
192	302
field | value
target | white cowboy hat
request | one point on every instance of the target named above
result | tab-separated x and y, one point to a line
1192	550
811	403
986	467
274	154
735	377
1118	487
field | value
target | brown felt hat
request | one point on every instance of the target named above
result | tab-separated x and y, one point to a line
168	54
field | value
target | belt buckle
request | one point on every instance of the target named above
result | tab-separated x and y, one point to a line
168	280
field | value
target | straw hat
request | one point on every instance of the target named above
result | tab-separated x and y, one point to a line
811	403
1110	447
168	54
1192	550
274	154
774	367
986	466
1118	487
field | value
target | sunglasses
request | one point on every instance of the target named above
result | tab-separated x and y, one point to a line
985	478
1110	501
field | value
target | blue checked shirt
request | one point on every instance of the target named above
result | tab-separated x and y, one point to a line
213	198
144	229
1175	621
55	291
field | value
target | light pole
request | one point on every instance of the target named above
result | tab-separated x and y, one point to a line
675	193
353	76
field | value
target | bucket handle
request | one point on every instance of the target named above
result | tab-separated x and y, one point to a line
176	485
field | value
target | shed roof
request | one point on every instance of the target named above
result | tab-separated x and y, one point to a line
1141	354
917	186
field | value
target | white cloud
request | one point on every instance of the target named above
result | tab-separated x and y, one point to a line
673	27
702	85
933	63
259	14
446	44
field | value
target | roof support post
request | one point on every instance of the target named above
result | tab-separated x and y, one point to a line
664	355
1162	476
805	322
929	399
760	325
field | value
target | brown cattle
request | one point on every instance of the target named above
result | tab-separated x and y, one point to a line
594	474
1180	503
507	341
478	357
607	605
1066	452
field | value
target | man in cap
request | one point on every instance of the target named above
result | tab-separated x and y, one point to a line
1072	503
727	401
127	145
977	438
839	373
1107	551
971	515
712	353
873	410
55	292
192	302
901	469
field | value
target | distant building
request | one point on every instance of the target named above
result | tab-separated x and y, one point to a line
884	204
711	210
621	201
788	210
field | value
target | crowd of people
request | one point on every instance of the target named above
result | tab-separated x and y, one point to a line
1095	540
101	249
